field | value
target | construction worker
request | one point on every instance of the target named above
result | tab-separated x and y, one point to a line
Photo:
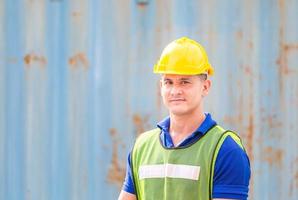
188	156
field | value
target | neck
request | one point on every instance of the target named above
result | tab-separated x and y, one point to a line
183	126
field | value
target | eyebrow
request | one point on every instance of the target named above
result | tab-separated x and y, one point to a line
180	79
185	79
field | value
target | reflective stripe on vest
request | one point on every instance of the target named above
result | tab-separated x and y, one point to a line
169	170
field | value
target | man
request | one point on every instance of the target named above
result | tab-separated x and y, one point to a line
188	156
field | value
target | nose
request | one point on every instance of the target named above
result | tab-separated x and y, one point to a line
175	91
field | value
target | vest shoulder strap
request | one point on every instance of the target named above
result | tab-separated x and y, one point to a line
146	136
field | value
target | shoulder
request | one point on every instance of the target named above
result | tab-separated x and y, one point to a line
232	142
232	148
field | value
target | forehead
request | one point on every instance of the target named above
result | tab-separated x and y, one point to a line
177	77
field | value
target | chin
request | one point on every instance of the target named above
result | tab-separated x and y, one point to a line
178	111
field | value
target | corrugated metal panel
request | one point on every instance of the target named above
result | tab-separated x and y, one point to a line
76	86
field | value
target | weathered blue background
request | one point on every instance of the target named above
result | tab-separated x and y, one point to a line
76	87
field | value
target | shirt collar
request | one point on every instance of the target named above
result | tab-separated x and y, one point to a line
207	124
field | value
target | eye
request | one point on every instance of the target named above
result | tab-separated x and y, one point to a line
167	82
184	82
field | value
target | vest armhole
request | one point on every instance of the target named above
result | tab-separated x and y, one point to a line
132	170
213	159
222	138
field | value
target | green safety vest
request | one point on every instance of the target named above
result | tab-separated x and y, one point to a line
177	173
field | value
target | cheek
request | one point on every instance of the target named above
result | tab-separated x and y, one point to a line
164	91
195	94
165	95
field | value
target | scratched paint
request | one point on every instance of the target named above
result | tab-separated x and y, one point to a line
77	88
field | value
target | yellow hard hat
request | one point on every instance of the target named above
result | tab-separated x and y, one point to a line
183	56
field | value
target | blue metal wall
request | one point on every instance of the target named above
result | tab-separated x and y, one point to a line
76	87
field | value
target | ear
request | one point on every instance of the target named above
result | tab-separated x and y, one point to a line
160	86
206	87
160	83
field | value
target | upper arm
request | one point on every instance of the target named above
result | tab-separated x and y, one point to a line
232	172
127	192
126	196
128	185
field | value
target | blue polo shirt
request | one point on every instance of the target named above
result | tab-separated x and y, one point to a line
232	167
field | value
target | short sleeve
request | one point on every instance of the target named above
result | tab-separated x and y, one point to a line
231	172
128	185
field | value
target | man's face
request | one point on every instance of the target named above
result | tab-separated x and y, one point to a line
182	94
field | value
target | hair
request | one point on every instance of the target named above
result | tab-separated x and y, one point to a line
203	77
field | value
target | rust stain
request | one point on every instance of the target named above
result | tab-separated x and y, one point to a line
142	3
235	119
76	14
141	123
248	70
251	45
79	59
273	156
116	172
289	47
285	48
167	23
250	137
251	126
33	58
282	60
142	6
273	121
239	34
113	132
294	180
